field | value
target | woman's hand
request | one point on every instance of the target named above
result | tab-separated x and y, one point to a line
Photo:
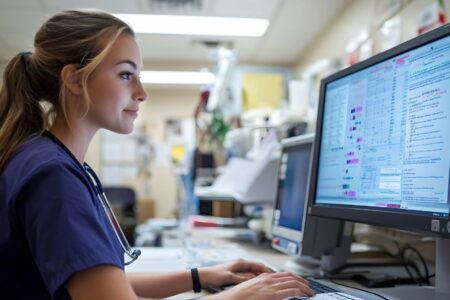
230	273
267	286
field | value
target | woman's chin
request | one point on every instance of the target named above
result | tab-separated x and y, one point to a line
122	129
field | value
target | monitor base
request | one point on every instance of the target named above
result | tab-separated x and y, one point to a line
333	261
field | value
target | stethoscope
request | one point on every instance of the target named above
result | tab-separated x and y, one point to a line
132	253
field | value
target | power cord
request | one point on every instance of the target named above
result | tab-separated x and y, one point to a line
403	255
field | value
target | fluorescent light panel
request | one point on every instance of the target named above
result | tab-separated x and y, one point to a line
192	25
176	77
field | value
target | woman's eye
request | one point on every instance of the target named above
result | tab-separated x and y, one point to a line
126	75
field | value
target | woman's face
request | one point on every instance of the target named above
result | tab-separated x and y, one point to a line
115	89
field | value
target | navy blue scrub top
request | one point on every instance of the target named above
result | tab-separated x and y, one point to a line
52	224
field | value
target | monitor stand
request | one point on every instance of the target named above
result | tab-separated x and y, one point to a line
332	262
329	263
337	258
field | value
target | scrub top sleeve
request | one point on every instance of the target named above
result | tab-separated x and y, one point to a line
63	227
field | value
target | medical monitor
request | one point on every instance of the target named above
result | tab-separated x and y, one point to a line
291	198
313	243
382	150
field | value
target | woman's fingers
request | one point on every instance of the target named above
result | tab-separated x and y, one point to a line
289	274
282	294
270	286
254	267
295	284
241	277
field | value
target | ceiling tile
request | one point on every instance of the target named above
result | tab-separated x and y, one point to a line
107	5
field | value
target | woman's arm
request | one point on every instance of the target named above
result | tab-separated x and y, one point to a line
265	286
104	282
160	285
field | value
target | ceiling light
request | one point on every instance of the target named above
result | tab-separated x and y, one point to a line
176	77
192	25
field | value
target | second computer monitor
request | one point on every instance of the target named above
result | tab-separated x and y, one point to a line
289	211
313	243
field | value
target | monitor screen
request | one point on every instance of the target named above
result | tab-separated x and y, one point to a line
383	139
291	198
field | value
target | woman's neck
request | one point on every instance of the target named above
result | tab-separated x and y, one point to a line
76	138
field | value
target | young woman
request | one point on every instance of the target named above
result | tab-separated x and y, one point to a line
56	239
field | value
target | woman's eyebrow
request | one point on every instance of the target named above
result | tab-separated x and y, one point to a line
127	61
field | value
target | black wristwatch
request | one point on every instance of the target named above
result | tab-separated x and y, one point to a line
197	286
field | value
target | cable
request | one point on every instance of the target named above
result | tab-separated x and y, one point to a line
360	289
425	279
422	279
409	272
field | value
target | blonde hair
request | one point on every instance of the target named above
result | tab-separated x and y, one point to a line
31	80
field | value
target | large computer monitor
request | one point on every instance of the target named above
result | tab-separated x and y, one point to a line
382	151
305	239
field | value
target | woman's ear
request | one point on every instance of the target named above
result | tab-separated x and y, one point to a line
71	79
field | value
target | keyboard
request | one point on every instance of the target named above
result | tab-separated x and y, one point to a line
317	287
324	292
327	296
320	288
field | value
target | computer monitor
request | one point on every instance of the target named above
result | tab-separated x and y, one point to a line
304	238
382	151
290	209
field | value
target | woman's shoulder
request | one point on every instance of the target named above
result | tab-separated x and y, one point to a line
37	153
40	162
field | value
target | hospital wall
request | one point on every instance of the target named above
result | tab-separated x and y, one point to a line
358	15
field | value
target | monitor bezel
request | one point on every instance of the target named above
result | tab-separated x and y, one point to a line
372	215
286	144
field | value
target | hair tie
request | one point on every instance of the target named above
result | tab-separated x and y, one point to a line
22	56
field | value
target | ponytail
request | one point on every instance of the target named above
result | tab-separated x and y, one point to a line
20	111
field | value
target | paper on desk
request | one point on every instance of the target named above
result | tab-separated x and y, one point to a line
235	176
238	177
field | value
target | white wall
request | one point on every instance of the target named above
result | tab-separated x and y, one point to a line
357	15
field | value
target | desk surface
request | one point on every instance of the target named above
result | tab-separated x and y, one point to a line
171	259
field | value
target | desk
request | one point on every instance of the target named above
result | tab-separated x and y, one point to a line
174	258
